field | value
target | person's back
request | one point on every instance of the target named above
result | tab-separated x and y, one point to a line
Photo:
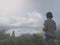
49	27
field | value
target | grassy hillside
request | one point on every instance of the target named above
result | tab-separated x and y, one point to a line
31	41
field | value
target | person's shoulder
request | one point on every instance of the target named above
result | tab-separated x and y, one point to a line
46	20
53	20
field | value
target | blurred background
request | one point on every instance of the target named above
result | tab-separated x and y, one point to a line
27	16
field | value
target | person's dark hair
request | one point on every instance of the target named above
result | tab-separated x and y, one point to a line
49	15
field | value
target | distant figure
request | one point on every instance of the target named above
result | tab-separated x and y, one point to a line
49	28
13	34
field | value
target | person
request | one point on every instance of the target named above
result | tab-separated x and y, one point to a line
49	28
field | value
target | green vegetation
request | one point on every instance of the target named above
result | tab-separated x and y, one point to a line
26	41
21	42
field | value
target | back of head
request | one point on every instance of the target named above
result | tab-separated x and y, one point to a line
49	15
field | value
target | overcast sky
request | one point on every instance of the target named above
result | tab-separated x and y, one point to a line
28	13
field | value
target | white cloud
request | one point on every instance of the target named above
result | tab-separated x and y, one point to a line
34	18
8	14
8	10
31	18
16	20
